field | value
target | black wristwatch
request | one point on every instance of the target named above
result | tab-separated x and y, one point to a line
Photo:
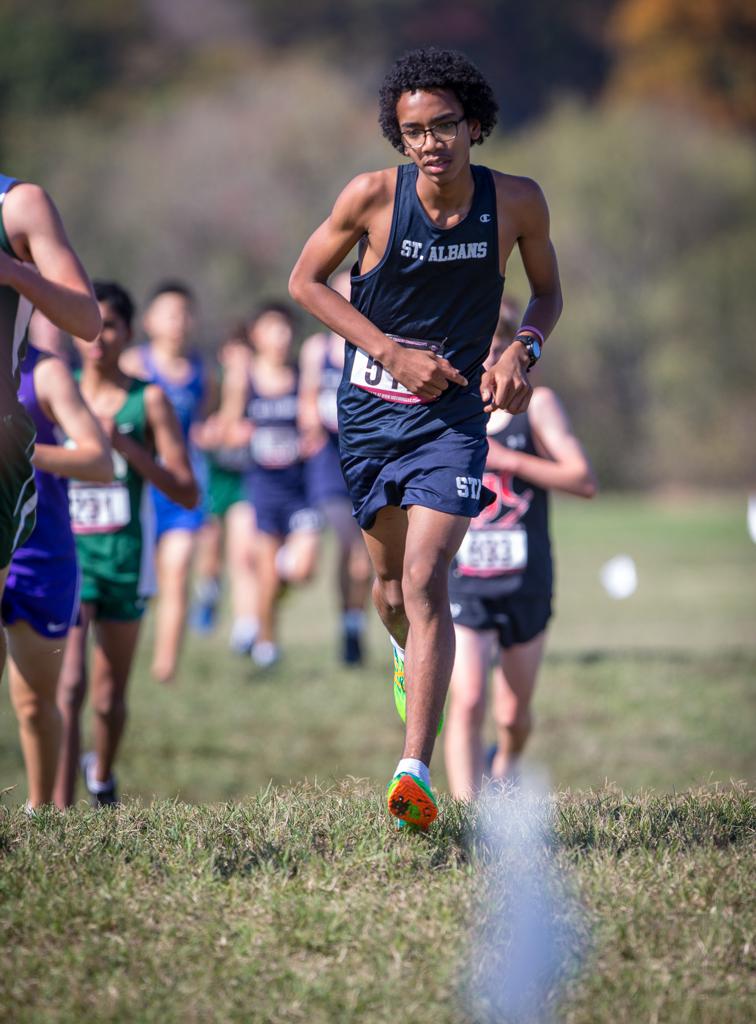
532	346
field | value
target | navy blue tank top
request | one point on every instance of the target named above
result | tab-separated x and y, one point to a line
275	442
507	548
437	288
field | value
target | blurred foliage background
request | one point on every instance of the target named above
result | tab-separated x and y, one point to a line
206	141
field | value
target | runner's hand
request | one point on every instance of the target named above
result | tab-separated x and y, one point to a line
506	384
423	373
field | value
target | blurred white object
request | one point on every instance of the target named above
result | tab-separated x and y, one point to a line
619	577
528	930
752	516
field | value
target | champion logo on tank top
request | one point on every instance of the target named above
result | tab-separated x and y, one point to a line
434	288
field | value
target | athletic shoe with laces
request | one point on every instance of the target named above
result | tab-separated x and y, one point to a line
411	802
400	693
100	794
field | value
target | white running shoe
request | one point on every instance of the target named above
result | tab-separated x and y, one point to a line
265	654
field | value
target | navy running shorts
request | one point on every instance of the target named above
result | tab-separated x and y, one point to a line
516	618
446	475
324	480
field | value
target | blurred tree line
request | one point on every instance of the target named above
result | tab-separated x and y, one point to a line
207	140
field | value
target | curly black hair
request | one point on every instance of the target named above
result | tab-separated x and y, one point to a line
431	68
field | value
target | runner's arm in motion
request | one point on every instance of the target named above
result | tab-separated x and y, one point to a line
57	284
506	385
358	207
172	474
564	465
310	363
61	402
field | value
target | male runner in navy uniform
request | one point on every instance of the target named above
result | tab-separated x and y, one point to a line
434	237
38	269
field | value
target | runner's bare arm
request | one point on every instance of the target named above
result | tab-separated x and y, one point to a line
310	363
172	474
521	202
61	401
359	206
57	283
564	465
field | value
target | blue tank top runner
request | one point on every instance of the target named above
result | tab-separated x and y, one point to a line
437	288
185	396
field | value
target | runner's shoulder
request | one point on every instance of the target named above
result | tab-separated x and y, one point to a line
368	193
516	190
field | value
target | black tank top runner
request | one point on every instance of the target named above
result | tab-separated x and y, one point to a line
440	287
507	548
275	442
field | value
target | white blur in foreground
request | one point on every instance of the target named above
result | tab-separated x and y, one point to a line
752	516
527	934
619	577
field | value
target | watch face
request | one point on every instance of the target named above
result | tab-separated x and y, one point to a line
535	348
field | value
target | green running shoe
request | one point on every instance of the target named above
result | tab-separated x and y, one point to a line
400	694
411	802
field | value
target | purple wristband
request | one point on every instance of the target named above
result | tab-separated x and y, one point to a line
532	330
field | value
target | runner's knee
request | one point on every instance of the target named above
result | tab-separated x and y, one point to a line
467	706
425	583
519	725
387	593
72	691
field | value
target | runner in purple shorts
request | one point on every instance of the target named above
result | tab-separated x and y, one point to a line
38	270
41	597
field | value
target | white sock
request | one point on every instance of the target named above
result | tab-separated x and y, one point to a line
244	630
397	648
353	620
414	767
207	590
94	785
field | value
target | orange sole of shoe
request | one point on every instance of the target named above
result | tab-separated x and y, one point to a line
410	803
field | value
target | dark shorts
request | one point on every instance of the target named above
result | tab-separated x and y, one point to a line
18	494
287	517
113	602
516	618
48	603
324	480
445	475
280	501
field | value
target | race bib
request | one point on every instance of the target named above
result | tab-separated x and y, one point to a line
275	447
370	375
103	509
493	552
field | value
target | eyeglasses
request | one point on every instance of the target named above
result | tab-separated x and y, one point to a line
444	131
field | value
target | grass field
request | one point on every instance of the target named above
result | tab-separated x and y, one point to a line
298	902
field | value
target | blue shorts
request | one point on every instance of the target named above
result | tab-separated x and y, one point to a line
446	475
280	502
170	516
49	601
323	477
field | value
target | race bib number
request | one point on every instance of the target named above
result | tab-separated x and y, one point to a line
103	509
328	410
275	447
493	552
370	375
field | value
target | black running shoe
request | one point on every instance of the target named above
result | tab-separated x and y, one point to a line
106	797
352	649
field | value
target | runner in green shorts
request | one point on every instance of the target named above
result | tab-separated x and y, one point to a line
38	269
113	545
